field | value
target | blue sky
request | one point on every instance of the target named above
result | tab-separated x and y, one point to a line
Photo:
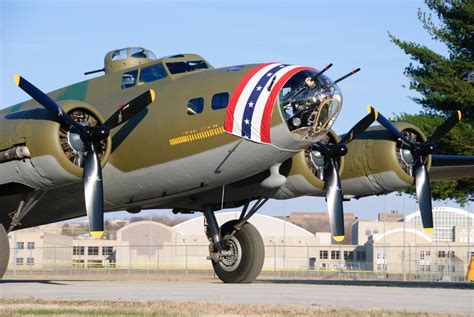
52	43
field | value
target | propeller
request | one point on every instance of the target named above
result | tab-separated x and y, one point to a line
332	182
420	152
91	136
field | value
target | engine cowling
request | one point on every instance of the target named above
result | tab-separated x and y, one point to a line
305	174
51	148
377	164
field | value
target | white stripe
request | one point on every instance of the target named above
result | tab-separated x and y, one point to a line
262	101
244	96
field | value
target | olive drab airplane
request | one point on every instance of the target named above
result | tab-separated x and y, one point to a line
176	133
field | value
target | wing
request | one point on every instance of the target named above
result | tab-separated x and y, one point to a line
450	167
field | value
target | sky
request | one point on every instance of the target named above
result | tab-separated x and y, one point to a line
52	43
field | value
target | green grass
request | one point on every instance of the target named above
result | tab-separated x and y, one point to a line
35	307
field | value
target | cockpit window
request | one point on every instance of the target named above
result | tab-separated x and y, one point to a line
129	79
186	66
137	52
152	73
119	54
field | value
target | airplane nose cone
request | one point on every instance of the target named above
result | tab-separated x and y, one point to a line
309	105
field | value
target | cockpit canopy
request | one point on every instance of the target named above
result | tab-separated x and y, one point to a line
124	58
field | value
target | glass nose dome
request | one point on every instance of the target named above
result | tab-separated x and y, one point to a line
310	104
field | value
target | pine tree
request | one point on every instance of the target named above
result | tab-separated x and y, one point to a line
445	83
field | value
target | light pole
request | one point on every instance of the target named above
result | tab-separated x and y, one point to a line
186	256
274	255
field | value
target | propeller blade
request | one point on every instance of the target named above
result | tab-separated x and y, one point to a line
130	109
389	126
445	127
360	126
94	193
423	194
334	200
46	102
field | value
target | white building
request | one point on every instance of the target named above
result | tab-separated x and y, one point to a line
445	219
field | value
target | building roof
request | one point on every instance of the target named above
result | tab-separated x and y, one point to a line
438	211
267	226
380	237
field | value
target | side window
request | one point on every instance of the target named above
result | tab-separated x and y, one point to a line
152	73
195	106
129	79
220	101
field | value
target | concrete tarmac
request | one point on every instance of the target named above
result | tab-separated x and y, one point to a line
411	299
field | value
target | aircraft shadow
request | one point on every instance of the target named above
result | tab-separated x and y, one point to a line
410	284
49	282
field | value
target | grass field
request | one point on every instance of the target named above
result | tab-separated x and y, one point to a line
34	307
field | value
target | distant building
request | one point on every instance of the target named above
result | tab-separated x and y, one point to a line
382	247
364	230
94	253
40	247
392	216
445	220
318	222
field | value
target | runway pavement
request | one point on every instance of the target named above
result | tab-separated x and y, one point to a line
411	299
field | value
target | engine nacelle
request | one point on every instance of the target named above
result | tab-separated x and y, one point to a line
305	174
52	149
377	164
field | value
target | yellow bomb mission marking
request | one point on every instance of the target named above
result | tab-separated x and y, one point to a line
196	136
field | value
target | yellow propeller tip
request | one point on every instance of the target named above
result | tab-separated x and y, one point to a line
16	79
152	93
376	114
369	108
338	238
97	234
428	230
459	115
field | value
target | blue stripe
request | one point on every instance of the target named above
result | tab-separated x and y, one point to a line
253	98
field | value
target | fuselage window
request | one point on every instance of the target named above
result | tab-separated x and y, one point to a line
186	66
195	106
129	79
220	101
152	73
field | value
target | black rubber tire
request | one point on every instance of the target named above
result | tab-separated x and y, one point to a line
4	251
252	255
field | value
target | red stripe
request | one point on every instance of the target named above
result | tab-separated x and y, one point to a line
229	119
267	112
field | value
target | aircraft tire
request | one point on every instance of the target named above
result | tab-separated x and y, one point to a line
4	251
245	264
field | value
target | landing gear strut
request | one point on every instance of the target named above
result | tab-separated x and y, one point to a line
236	249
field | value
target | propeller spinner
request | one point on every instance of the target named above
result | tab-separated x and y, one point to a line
91	137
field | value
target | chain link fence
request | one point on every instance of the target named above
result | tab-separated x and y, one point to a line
403	263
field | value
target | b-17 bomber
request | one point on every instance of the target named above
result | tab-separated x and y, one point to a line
177	133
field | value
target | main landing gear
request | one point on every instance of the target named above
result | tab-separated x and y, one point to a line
236	249
4	251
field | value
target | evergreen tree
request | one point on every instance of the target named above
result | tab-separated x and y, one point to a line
445	84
